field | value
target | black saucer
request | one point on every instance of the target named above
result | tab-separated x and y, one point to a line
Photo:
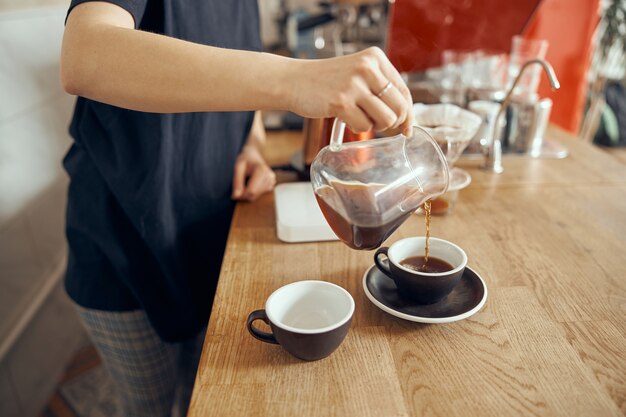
466	299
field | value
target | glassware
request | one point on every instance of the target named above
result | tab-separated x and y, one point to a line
367	189
454	75
464	72
487	111
487	70
451	126
523	50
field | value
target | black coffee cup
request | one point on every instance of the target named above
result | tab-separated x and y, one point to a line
422	287
309	319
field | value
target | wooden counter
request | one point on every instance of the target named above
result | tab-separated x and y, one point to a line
619	153
548	237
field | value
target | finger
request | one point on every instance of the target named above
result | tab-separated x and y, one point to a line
239	178
379	87
379	112
271	181
357	120
256	184
391	73
268	183
394	99
394	76
407	126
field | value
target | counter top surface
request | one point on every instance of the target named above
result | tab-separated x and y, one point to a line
619	153
549	239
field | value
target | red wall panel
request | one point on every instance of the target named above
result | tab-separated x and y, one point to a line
420	30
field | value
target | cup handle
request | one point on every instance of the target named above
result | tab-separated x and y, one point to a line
259	334
384	268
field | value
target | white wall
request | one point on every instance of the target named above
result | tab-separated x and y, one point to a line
39	328
12	5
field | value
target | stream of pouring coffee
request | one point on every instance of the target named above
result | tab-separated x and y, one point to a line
427	207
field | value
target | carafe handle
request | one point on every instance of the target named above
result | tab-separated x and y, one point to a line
336	136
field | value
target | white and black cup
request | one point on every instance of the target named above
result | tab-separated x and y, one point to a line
309	319
422	287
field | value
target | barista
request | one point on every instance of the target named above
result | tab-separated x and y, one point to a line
165	138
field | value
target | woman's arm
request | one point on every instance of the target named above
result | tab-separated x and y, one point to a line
105	59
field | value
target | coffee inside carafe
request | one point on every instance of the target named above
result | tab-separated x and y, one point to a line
367	189
364	215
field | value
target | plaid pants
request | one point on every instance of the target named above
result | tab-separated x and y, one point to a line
152	377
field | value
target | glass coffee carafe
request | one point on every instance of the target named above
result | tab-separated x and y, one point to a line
367	189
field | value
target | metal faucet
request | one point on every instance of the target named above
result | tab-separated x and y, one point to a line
493	154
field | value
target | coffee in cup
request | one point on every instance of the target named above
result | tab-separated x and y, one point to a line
309	319
420	280
429	265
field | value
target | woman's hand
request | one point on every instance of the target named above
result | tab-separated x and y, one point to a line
253	176
363	89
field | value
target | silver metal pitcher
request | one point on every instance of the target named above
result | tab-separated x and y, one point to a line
526	126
